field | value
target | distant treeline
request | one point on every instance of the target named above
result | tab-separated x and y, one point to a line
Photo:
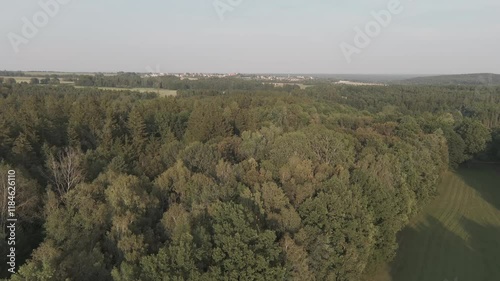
11	73
133	80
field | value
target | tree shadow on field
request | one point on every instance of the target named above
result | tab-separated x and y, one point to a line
431	252
485	240
485	179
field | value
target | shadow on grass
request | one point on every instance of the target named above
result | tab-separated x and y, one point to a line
465	249
431	252
485	179
485	240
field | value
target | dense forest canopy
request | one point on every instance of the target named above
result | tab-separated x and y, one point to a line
231	179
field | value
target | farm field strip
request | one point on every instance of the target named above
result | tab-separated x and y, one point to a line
162	92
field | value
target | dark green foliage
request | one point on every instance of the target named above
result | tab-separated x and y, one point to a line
207	122
475	135
456	147
241	250
495	145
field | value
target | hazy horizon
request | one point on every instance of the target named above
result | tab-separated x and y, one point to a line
252	37
252	73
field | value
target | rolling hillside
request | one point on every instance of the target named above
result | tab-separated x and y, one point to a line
463	79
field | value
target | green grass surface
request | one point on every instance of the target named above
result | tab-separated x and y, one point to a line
43	73
457	237
27	79
19	79
162	92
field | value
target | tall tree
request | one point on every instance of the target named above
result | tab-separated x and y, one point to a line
66	170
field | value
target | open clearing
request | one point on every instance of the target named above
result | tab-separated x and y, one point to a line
161	92
342	82
457	237
19	79
27	79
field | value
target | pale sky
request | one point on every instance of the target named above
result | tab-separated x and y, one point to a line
256	36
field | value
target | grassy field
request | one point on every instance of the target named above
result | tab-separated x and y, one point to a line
457	238
302	86
43	73
162	92
27	79
20	79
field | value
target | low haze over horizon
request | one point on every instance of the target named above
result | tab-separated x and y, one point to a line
419	37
